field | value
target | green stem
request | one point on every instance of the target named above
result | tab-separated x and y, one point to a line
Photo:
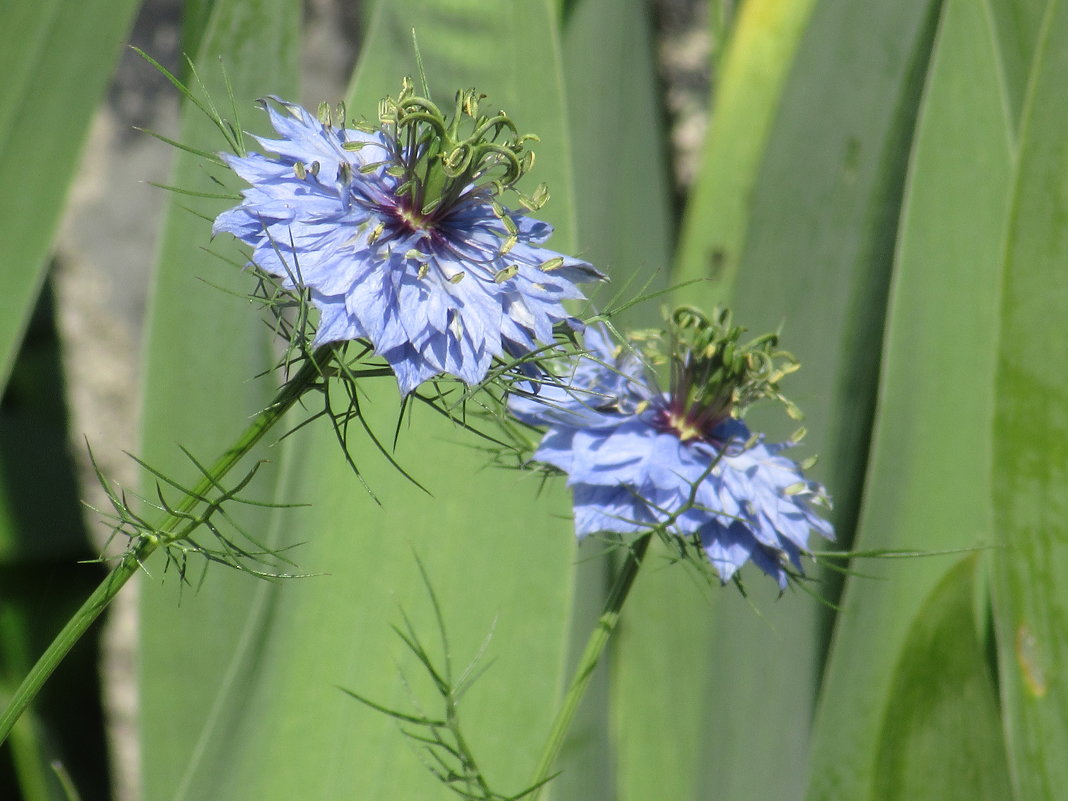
595	646
165	534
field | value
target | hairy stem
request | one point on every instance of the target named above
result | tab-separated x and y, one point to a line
165	534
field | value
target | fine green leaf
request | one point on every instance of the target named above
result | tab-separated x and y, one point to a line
55	60
942	737
204	347
1030	434
930	461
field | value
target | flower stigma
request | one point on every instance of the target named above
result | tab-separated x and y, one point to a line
714	376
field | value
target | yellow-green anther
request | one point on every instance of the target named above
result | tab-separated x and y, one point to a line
353	146
415	254
323	112
375	233
423	270
506	273
509	243
552	264
314	169
509	225
344	172
340	115
300	170
458	277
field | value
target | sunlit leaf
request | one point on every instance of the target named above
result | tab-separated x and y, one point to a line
497	553
942	737
204	348
930	463
1030	434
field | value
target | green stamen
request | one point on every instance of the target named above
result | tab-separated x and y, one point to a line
440	160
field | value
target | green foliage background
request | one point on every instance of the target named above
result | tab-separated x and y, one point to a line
888	182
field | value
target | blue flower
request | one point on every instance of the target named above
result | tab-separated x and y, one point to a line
637	458
398	237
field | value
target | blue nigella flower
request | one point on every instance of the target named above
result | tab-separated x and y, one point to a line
397	234
637	457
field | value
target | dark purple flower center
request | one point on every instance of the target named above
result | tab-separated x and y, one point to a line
690	422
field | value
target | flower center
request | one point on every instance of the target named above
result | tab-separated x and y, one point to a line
714	374
410	219
682	427
444	163
689	424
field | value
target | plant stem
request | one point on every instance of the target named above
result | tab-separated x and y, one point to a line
595	646
168	532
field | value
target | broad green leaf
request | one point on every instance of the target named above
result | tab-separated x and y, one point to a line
1018	25
56	59
665	643
820	222
623	193
760	52
42	540
63	727
499	560
1030	435
38	495
930	460
498	554
205	345
942	738
623	208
